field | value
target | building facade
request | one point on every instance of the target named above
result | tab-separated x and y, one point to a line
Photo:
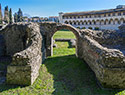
54	19
103	19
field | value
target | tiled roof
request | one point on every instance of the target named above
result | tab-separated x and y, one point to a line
93	12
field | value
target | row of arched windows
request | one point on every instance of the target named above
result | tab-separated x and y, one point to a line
95	16
97	22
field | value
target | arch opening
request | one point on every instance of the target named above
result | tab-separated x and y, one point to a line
49	38
64	43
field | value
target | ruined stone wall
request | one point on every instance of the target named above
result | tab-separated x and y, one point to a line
107	64
30	43
108	38
23	42
49	28
2	46
16	38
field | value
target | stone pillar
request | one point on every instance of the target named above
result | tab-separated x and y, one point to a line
79	49
49	46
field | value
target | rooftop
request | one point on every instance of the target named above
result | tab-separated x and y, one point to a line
118	9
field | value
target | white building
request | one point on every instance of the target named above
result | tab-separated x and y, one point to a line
102	19
54	18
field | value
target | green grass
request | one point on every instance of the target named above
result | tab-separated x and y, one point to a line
64	34
61	74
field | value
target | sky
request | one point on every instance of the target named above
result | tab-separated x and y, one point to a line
46	8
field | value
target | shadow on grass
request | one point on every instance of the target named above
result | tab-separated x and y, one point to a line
73	76
4	62
5	87
63	75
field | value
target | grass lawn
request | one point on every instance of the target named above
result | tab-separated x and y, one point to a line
61	74
64	34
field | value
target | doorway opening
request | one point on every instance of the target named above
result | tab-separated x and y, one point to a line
64	43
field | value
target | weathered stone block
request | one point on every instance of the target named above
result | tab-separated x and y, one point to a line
19	75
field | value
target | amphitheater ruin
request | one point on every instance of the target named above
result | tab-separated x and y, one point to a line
31	43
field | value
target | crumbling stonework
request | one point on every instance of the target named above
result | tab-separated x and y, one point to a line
30	43
102	50
49	28
23	43
101	54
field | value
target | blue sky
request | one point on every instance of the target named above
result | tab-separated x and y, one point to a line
45	8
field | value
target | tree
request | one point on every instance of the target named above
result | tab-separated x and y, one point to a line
10	16
1	18
15	17
20	15
6	15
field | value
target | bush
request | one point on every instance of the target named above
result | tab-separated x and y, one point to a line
89	27
78	27
96	28
83	28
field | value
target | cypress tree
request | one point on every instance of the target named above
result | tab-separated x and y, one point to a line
15	17
10	16
20	15
6	15
1	18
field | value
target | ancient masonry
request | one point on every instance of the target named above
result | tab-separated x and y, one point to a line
31	43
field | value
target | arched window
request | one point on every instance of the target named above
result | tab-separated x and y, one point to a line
78	23
119	22
70	23
104	15
90	23
109	22
123	13
74	23
66	22
113	14
119	14
86	23
82	23
109	14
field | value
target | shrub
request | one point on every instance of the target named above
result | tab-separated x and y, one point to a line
96	28
78	27
89	27
83	28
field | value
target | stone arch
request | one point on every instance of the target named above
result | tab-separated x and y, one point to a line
85	22
66	22
74	22
116	21
110	21
106	22
93	22
122	20
81	22
68	27
70	22
89	22
77	22
102	22
98	22
49	41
